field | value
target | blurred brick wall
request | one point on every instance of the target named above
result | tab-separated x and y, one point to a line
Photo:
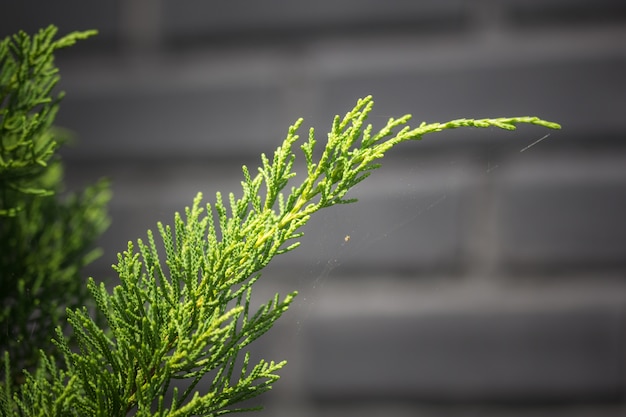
481	277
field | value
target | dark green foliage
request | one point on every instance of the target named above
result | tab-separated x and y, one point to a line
45	240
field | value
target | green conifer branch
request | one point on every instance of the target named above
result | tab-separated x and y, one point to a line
188	316
45	239
28	109
182	310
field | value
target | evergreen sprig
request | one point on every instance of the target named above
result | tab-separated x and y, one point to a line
28	76
45	239
182	310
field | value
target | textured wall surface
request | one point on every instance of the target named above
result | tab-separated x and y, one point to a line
482	276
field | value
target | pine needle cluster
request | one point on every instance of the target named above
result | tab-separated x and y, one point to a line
182	310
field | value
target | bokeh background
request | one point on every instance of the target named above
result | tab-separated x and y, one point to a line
481	276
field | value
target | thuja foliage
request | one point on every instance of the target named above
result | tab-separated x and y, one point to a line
45	239
180	322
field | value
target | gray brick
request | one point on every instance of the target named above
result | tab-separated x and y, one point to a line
562	211
404	409
549	355
199	19
537	12
32	15
440	94
169	124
